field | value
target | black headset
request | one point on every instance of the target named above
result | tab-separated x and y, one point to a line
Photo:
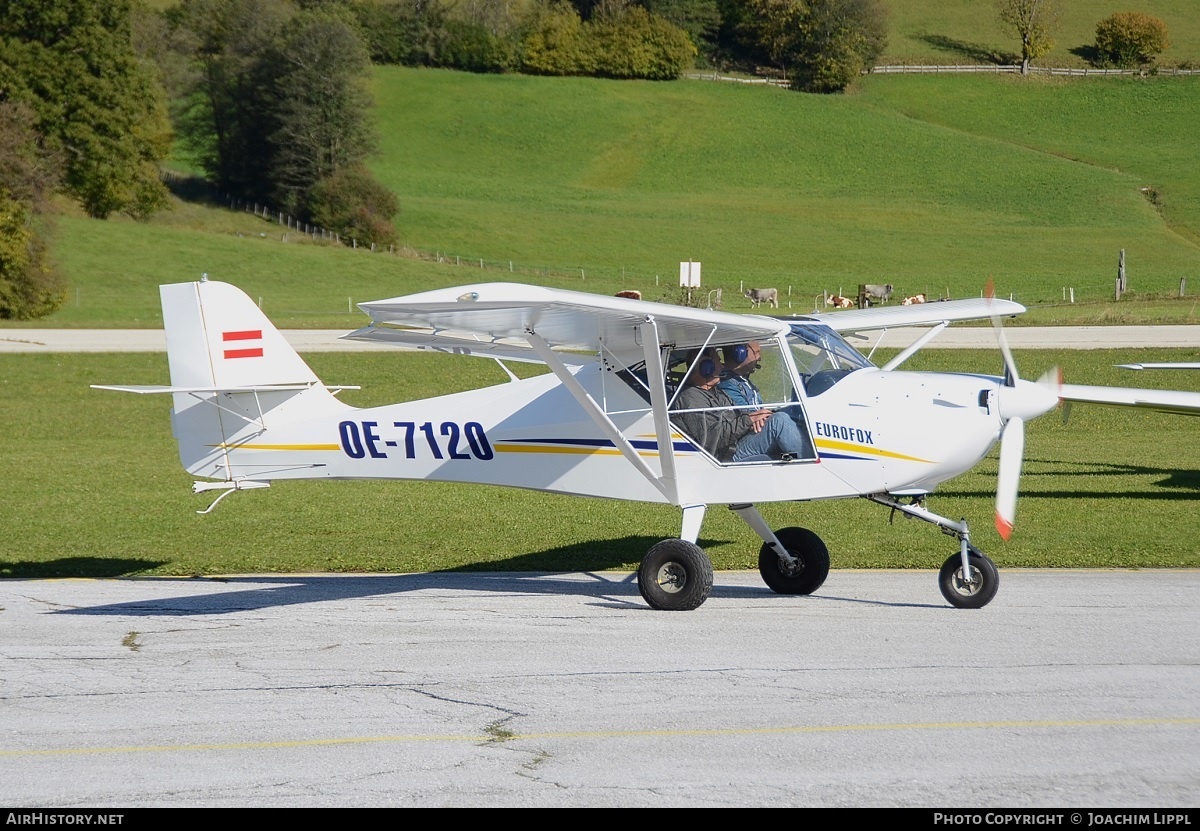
737	354
708	368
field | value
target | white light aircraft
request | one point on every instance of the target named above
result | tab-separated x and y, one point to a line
606	420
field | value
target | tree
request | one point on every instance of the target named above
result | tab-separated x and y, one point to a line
29	285
699	18
822	44
407	32
322	106
352	203
626	41
227	115
773	29
842	40
552	40
1130	39
1033	21
73	63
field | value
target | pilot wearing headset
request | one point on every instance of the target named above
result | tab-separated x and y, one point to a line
729	434
740	361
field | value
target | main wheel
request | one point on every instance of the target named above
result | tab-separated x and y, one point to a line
969	594
675	576
811	567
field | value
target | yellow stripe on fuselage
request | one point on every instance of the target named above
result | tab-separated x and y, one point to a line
249	446
583	451
846	446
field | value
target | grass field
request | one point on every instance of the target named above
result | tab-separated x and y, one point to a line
967	31
933	184
94	488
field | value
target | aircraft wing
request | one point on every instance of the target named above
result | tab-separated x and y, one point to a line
1185	365
920	314
1167	401
494	319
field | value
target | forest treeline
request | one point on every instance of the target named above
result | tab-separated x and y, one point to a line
269	98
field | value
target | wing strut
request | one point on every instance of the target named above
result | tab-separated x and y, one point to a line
655	373
915	346
597	414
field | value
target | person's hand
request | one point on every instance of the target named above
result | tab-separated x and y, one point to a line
758	419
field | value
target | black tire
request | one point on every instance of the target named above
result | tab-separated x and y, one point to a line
675	576
812	562
973	595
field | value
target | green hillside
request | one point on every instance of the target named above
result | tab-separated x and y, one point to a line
967	31
778	188
932	183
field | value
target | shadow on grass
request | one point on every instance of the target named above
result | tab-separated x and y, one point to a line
193	189
99	567
1175	485
1091	54
973	52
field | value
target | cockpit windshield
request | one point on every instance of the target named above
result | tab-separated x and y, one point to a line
822	356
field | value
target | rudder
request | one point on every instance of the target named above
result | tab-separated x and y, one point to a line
217	337
233	375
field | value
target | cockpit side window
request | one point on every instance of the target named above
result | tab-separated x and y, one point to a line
822	357
738	403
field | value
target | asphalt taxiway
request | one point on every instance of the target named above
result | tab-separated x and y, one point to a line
1071	689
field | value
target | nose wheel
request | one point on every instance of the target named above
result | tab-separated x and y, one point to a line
970	589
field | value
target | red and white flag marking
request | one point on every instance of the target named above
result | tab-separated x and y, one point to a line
245	343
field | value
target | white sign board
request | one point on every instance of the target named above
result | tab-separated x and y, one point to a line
689	275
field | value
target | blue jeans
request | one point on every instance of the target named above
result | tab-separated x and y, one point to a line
779	435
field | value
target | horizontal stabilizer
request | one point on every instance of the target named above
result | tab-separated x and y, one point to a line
151	388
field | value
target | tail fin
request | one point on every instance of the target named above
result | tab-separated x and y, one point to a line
233	376
218	338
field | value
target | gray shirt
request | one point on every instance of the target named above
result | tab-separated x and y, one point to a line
717	430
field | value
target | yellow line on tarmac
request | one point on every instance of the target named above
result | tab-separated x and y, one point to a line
617	734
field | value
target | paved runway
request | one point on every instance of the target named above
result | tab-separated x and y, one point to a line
1073	689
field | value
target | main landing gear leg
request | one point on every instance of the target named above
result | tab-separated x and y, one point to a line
968	579
791	560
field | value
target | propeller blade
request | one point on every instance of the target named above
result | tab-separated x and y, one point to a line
1052	378
1010	364
1012	449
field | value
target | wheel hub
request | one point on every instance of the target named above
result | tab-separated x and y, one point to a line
671	578
792	567
967	586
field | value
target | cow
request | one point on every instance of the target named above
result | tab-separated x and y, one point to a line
760	296
914	300
839	302
873	292
632	294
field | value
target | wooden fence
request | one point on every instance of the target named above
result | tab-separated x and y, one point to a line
1040	70
933	69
